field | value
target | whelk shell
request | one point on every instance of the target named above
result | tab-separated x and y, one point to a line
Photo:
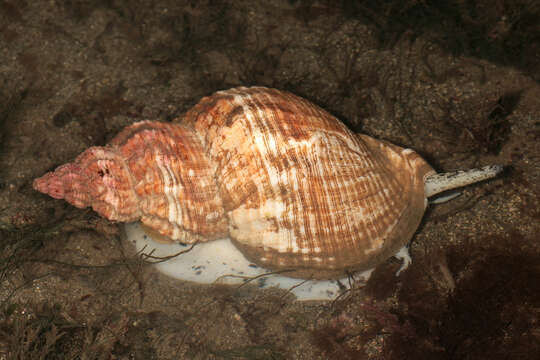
288	183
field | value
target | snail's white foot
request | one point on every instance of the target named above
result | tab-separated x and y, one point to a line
220	262
445	198
403	255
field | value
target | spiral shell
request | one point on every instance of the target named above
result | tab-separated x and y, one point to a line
290	184
300	189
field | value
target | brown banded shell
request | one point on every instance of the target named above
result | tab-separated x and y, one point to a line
288	182
300	189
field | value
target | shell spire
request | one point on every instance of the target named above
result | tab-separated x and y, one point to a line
151	171
97	178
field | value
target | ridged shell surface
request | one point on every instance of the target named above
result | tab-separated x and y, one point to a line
302	191
173	180
290	184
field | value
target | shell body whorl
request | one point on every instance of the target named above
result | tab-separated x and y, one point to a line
291	185
300	190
